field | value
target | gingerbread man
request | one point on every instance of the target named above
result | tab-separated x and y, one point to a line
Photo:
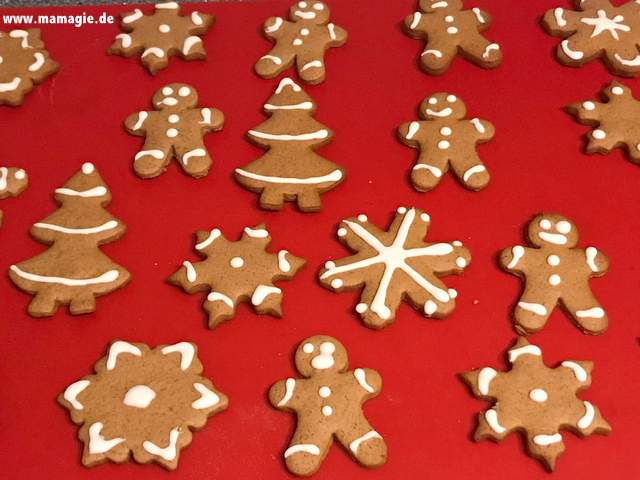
304	40
445	138
449	29
328	404
555	271
175	128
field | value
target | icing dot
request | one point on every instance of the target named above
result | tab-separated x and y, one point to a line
452	30
173	118
451	98
139	396
88	168
443	144
184	91
563	226
172	132
448	19
167	91
318	6
617	90
304	31
20	174
329	265
327	410
324	392
362	218
430	307
446	131
589	106
164	28
453	293
456	243
297	41
402	210
425	217
336	283
553	260
433	101
554	280
307	348
236	262
302	4
361	307
599	134
461	262
545	224
342	232
538	395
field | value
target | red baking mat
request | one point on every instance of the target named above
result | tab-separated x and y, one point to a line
373	85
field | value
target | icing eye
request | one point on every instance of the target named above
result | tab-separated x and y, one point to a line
327	348
318	6
308	348
433	101
302	4
20	175
167	91
617	90
451	98
563	227
545	224
184	91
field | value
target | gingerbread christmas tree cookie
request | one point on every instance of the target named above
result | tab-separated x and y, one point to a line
536	400
290	170
395	265
160	35
449	29
12	183
73	271
24	62
142	402
234	272
328	403
303	40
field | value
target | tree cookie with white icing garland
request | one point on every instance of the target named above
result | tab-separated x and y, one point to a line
73	270
290	169
395	265
536	400
160	35
24	62
303	40
597	29
142	402
328	403
450	30
555	272
445	138
235	272
174	129
13	181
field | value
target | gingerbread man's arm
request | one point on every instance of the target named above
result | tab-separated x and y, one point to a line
511	259
483	19
561	22
135	123
275	27
337	35
413	133
416	25
597	261
484	130
211	119
282	394
369	380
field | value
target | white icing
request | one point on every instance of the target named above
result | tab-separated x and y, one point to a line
169	452
342	232
261	292
617	90
186	351
595	312
192	276
554	280
553	260
479	16
219	297
296	106
4	172
478	125
107	277
473	171
157	154
283	263
416	20
207	398
425	217
430	307
287	82
332	31
118	348
599	134
236	262
10	86
526	350
361	308
324	392
289	386
434	170
362	218
491	416
312	64
172	133
361	377
490	47
443	145
546	440
545	224
327	411
589	106
110	225
555	238
558	13
158	52
602	23
196	18
440	5
256	232
573	54
37	63
432	51
164	28
277	23
453	293
536	308
308	348
324	359
139	396
445	112
517	252
332	177
563	226
305	15
20	174
413	129
317	135
273	58
168	5
452	30
303	447
591	253
318	6
451	98
578	371
538	395
461	262
329	264
23	34
197	152
167	90
189	43
587	419
446	131
215	233
92	192
353	446
184	91
206	115
72	392
433	101
97	443
142	116
297	42
485	377
168	101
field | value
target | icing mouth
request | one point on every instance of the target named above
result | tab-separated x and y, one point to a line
445	112
439	5
168	101
305	15
556	238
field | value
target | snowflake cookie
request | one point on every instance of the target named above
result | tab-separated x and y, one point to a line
328	404
395	265
449	29
24	62
554	271
234	272
616	122
161	35
597	29
536	400
142	402
303	40
13	181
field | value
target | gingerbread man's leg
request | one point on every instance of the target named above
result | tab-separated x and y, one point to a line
365	444
470	170
437	56
481	52
152	160
271	197
533	310
428	171
311	66
83	302
306	450
276	61
309	199
585	310
193	158
43	304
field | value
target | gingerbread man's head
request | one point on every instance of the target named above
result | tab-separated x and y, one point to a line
321	353
317	12
442	105
552	229
177	96
429	6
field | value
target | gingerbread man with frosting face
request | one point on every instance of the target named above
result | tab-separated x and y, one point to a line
556	272
328	403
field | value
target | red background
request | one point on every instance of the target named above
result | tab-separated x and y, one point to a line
424	412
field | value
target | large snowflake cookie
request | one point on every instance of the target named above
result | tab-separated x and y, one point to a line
142	402
24	62
328	404
395	265
12	183
234	272
174	129
303	40
536	400
598	29
162	34
616	122
445	138
555	271
73	271
449	29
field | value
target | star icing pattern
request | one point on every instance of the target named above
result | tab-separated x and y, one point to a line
395	265
602	23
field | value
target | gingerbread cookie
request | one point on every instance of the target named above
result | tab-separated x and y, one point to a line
142	402
395	265
449	29
73	271
597	29
235	272
536	400
554	271
328	404
290	170
303	40
616	122
161	35
13	181
174	129
446	138
24	62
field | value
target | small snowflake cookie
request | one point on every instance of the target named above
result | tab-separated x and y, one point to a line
303	40
449	29
328	404
395	265
445	138
615	122
555	271
24	62
536	400
597	29
142	402
235	272
174	129
13	181
162	34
